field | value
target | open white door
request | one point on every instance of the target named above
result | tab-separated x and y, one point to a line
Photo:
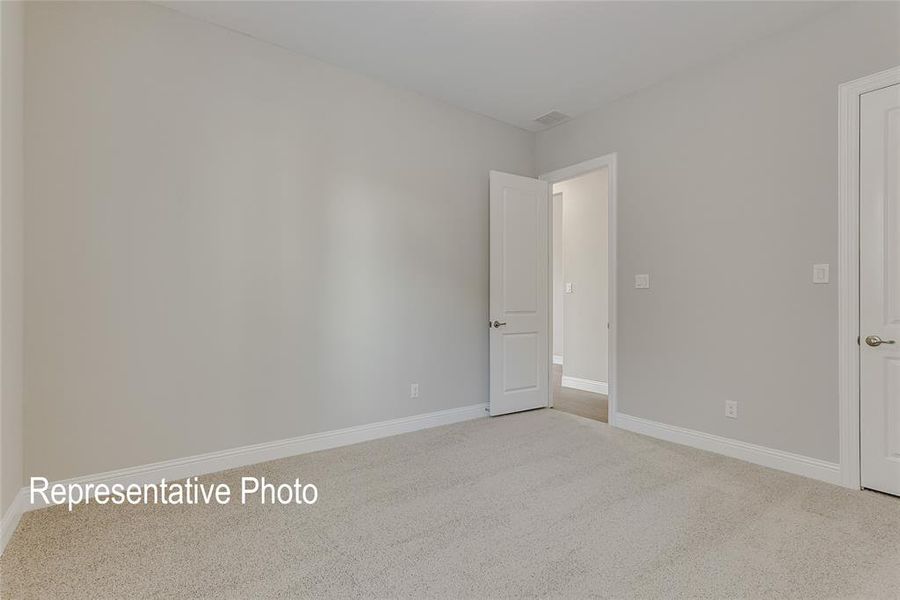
879	289
520	315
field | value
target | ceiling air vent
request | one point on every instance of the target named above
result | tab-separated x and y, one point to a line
554	117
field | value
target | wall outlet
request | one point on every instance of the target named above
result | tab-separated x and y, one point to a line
414	390
731	409
642	281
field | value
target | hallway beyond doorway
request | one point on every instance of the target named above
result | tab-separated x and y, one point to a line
584	404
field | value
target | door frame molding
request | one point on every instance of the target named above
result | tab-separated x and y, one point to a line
609	161
848	267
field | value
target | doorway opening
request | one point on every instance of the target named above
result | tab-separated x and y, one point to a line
520	300
582	288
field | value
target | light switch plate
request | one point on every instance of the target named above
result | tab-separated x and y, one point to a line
570	287
820	273
642	281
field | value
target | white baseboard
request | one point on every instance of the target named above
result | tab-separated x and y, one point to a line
10	520
760	455
212	462
557	359
585	385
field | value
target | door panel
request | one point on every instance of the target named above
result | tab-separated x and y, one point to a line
520	362
520	278
519	303
892	424
879	298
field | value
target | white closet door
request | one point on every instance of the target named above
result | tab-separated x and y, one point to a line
879	297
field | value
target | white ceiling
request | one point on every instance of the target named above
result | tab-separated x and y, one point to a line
512	61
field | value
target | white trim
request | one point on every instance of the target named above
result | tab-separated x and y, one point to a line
212	462
573	171
760	455
848	266
585	385
609	161
10	520
557	359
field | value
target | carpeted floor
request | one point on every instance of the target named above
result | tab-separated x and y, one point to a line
537	504
578	402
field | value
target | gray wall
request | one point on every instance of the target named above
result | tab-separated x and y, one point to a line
237	244
727	196
11	208
585	201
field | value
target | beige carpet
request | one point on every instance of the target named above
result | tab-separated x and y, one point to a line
538	504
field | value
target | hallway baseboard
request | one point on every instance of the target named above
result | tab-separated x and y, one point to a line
585	385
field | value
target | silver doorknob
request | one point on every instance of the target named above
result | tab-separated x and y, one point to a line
497	324
875	341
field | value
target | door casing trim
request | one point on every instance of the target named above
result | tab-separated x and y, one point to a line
848	267
608	161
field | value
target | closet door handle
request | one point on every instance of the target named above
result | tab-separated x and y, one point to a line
872	340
